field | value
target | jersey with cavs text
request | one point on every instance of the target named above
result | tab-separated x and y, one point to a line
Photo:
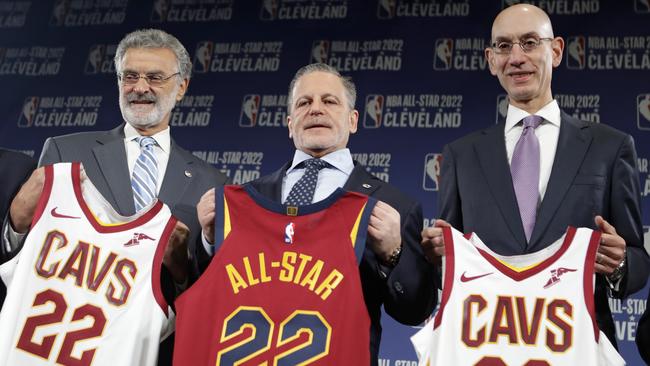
529	310
283	287
81	291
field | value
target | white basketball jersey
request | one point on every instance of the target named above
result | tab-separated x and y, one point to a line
530	310
83	292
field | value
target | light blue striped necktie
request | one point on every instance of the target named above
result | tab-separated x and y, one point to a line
145	173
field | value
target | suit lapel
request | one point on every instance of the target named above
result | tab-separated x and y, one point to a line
178	176
110	154
572	145
361	181
492	157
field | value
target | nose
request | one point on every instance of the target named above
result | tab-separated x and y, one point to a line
517	56
316	107
141	86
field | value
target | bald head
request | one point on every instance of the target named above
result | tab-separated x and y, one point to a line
514	18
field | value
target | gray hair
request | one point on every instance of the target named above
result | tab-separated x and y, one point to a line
350	88
154	38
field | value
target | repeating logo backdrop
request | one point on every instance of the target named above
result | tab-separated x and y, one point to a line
418	65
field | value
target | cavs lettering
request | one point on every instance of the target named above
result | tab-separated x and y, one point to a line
279	273
84	291
534	309
86	267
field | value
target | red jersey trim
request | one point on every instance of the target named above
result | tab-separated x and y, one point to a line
588	280
520	276
157	263
448	285
45	194
76	184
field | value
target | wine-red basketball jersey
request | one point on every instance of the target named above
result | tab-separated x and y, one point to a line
283	286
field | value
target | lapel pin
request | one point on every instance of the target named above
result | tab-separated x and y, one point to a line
188	174
366	185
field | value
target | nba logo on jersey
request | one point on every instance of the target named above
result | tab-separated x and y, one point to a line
374	111
431	179
643	111
576	50
288	233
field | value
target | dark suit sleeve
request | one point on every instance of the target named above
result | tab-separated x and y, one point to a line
449	204
410	288
50	153
15	168
625	216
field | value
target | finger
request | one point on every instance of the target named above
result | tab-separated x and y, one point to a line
208	193
606	261
441	223
431	232
615	253
599	268
604	226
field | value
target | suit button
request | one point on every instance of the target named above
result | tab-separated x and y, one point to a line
398	287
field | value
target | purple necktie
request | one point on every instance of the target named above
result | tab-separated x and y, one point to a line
524	169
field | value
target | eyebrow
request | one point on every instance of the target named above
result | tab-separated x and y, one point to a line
146	72
323	96
523	36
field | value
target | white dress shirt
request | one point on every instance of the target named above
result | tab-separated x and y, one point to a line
547	133
329	178
161	150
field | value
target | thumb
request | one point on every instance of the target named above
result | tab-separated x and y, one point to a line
441	223
604	226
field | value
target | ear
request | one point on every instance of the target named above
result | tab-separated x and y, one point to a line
182	89
490	56
289	126
557	46
354	119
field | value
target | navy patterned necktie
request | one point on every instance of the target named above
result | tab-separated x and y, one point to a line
302	193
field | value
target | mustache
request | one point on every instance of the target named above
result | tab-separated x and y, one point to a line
135	97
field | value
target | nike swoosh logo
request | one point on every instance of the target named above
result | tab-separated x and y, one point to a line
56	214
464	278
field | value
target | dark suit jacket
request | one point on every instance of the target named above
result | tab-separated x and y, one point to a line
15	168
408	291
103	156
643	334
594	173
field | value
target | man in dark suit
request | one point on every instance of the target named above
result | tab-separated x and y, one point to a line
153	71
587	174
643	334
14	170
394	272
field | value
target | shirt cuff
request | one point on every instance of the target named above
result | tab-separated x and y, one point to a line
12	238
209	248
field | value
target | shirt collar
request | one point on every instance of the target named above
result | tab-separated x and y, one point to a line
163	138
550	112
339	159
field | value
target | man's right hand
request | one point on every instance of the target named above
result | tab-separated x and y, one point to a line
24	204
205	211
433	243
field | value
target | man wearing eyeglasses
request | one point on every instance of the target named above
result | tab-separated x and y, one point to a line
519	184
153	73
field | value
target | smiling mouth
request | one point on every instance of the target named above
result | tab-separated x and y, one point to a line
316	126
521	76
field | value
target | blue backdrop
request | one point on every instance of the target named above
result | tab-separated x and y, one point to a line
418	65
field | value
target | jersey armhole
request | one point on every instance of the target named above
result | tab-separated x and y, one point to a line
448	276
158	263
588	280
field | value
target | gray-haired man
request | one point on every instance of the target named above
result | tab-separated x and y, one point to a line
153	73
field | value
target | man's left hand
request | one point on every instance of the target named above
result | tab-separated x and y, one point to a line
384	230
176	257
611	250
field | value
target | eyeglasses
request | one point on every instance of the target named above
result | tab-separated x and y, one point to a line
528	44
153	79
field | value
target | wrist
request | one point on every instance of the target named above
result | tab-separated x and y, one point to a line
393	257
618	272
